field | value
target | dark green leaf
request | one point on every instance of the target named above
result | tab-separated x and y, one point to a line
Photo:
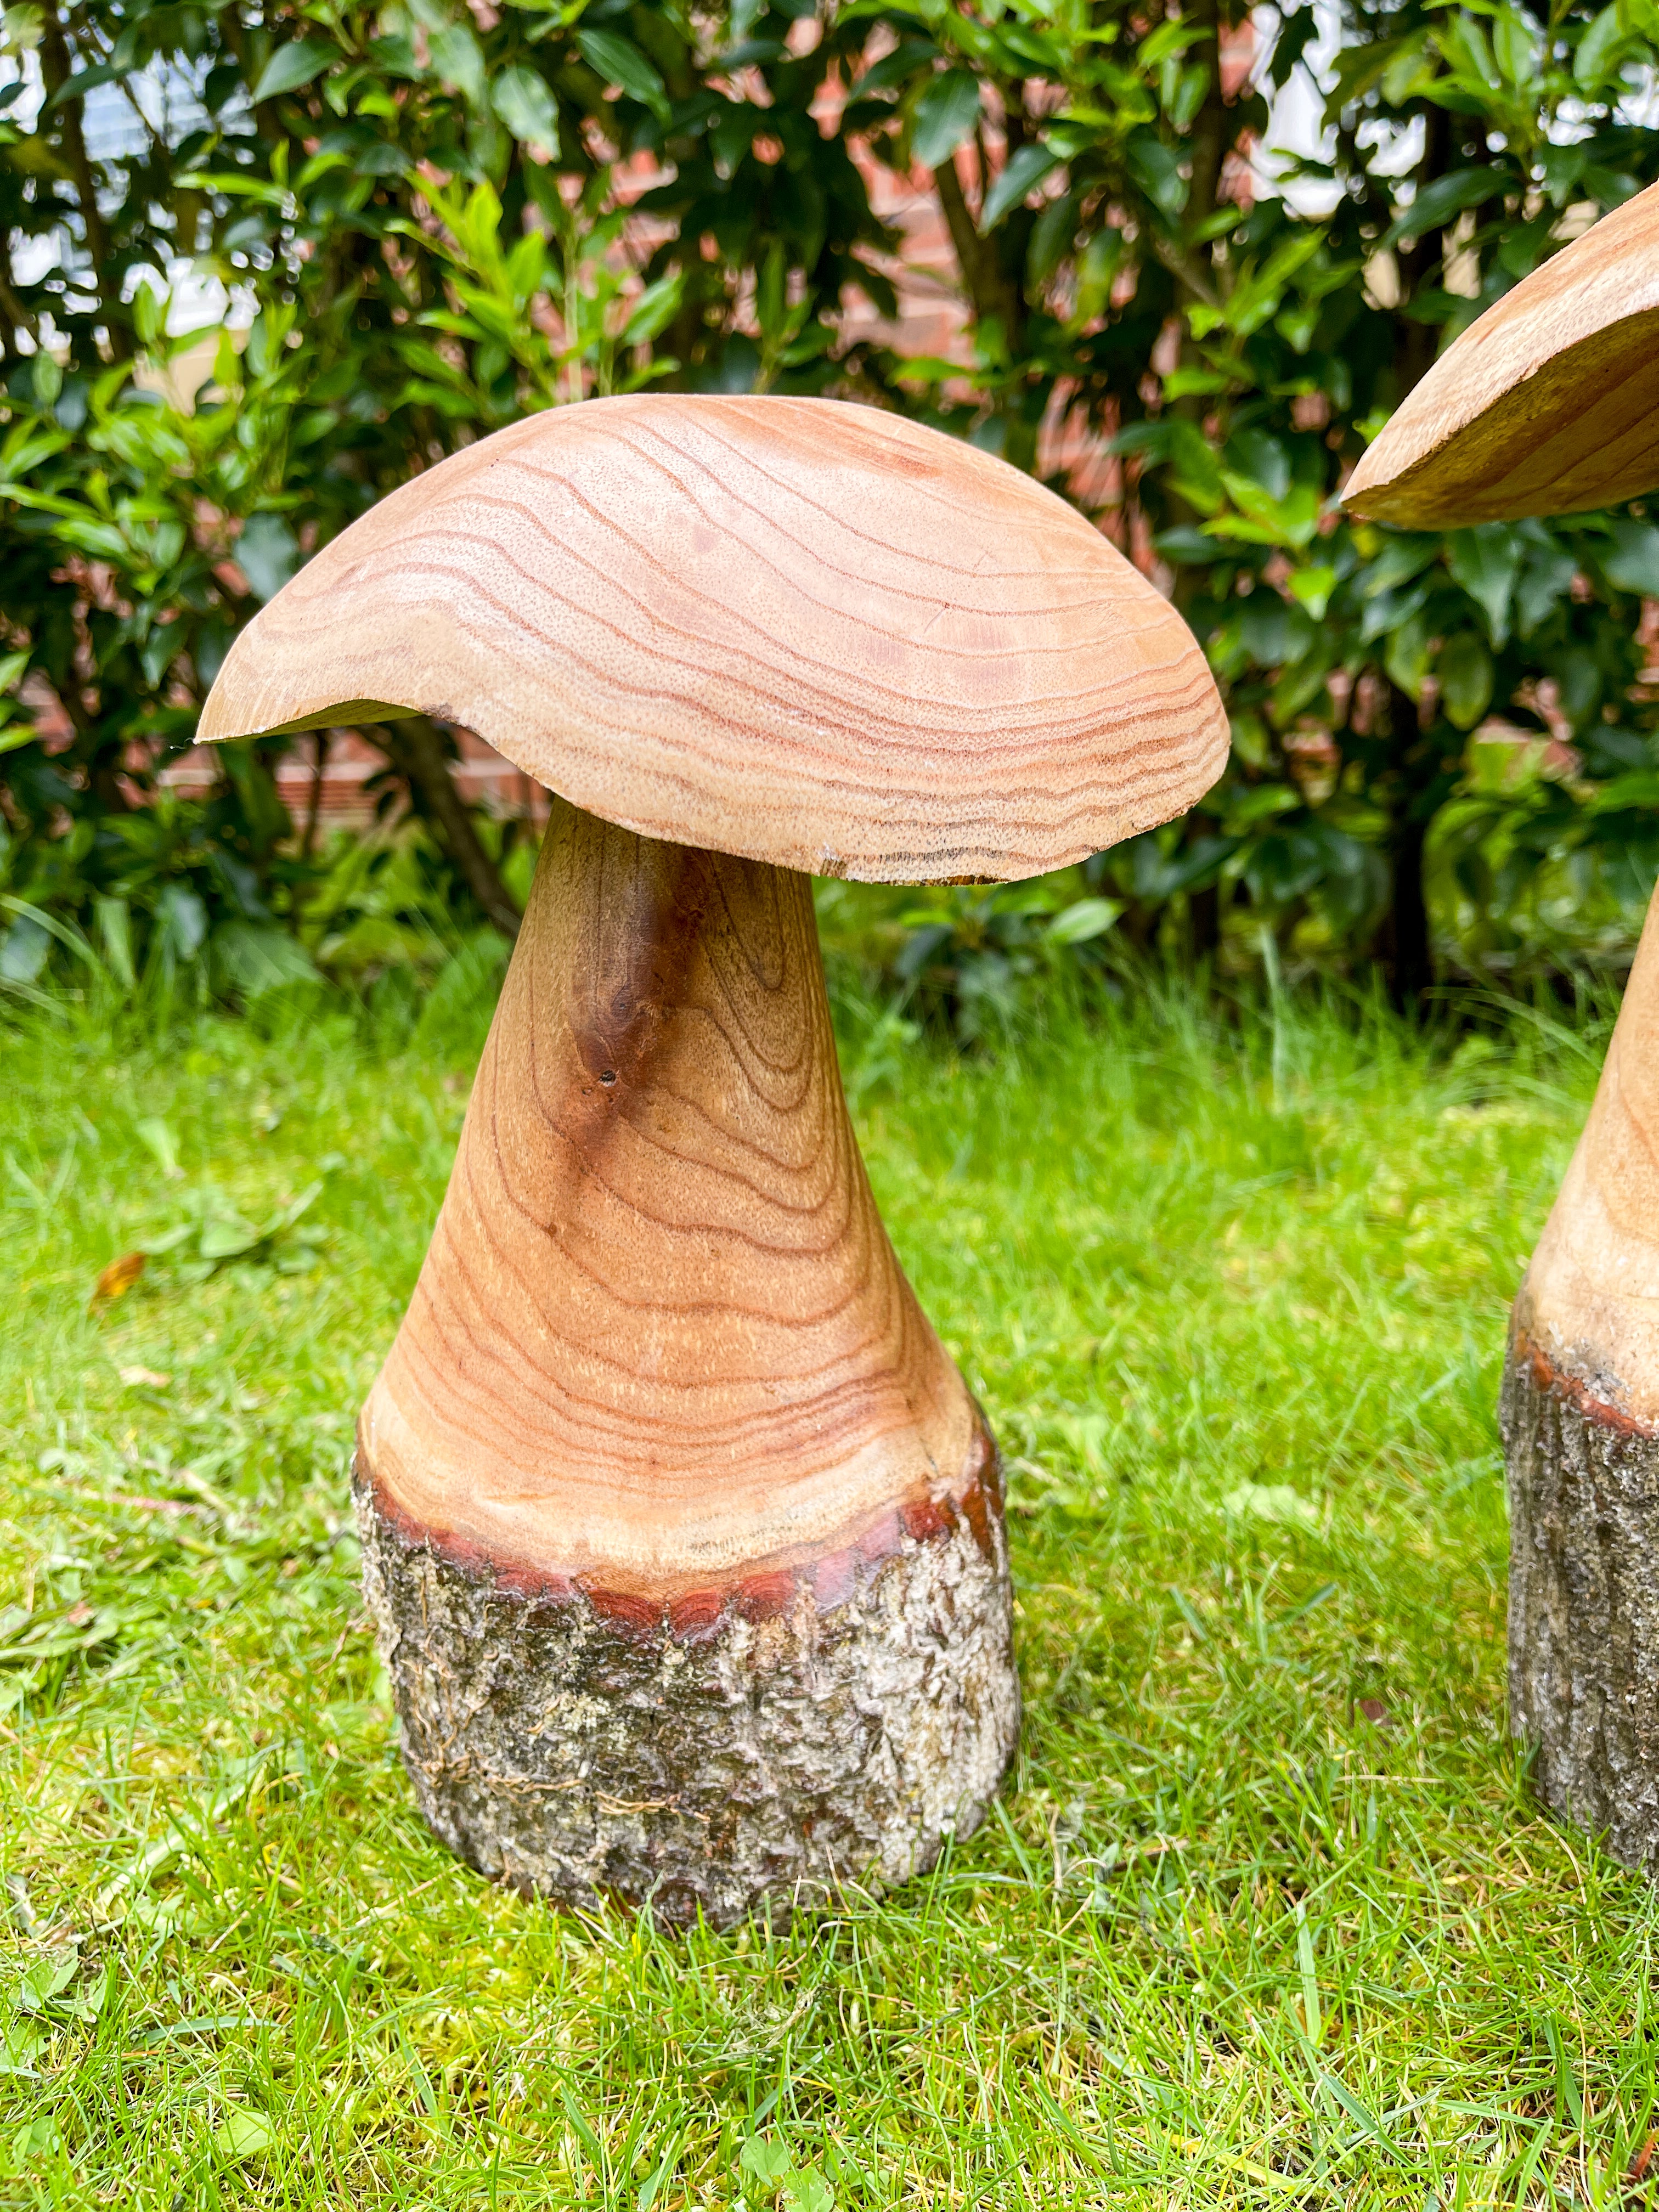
1257	454
1438	202
525	104
1487	560
23	951
1464	667
1631	562
1156	168
267	553
459	60
1028	166
619	62
1545	582
1596	49
1405	554
292	65
1081	923
258	958
86	80
184	920
945	114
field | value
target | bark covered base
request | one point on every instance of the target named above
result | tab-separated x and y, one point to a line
567	1749
1583	1483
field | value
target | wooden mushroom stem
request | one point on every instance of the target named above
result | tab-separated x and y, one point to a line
661	1343
682	1529
1581	1428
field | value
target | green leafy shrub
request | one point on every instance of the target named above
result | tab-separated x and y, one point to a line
1238	349
433	218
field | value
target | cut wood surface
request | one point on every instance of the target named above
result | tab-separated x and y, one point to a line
793	629
660	1344
1547	405
1589	1304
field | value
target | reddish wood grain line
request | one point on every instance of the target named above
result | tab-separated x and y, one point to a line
1572	1391
692	1616
799	631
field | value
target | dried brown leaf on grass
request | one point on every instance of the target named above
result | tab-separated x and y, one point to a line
118	1279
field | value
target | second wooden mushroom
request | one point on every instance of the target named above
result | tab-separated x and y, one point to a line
1549	403
683	1532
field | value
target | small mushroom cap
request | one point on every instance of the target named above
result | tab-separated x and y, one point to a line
791	629
1547	405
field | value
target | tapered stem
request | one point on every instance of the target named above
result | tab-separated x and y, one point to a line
1590	1300
1580	1416
661	1337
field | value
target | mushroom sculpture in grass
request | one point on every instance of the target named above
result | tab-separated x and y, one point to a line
1549	403
682	1532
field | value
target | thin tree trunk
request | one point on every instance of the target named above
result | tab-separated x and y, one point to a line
18	317
315	796
1421	769
1204	920
57	68
1412	965
416	750
264	115
1207	144
978	262
1415	343
1405	935
1206	150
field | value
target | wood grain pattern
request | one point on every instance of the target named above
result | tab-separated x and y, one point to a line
1590	1303
660	1344
795	630
1547	405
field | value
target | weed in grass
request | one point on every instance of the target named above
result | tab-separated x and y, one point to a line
1267	1916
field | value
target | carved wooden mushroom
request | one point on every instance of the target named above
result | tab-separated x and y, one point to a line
1549	403
682	1531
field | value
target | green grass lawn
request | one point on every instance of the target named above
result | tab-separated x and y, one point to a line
1267	1916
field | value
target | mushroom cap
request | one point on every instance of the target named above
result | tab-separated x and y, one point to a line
794	630
1548	404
